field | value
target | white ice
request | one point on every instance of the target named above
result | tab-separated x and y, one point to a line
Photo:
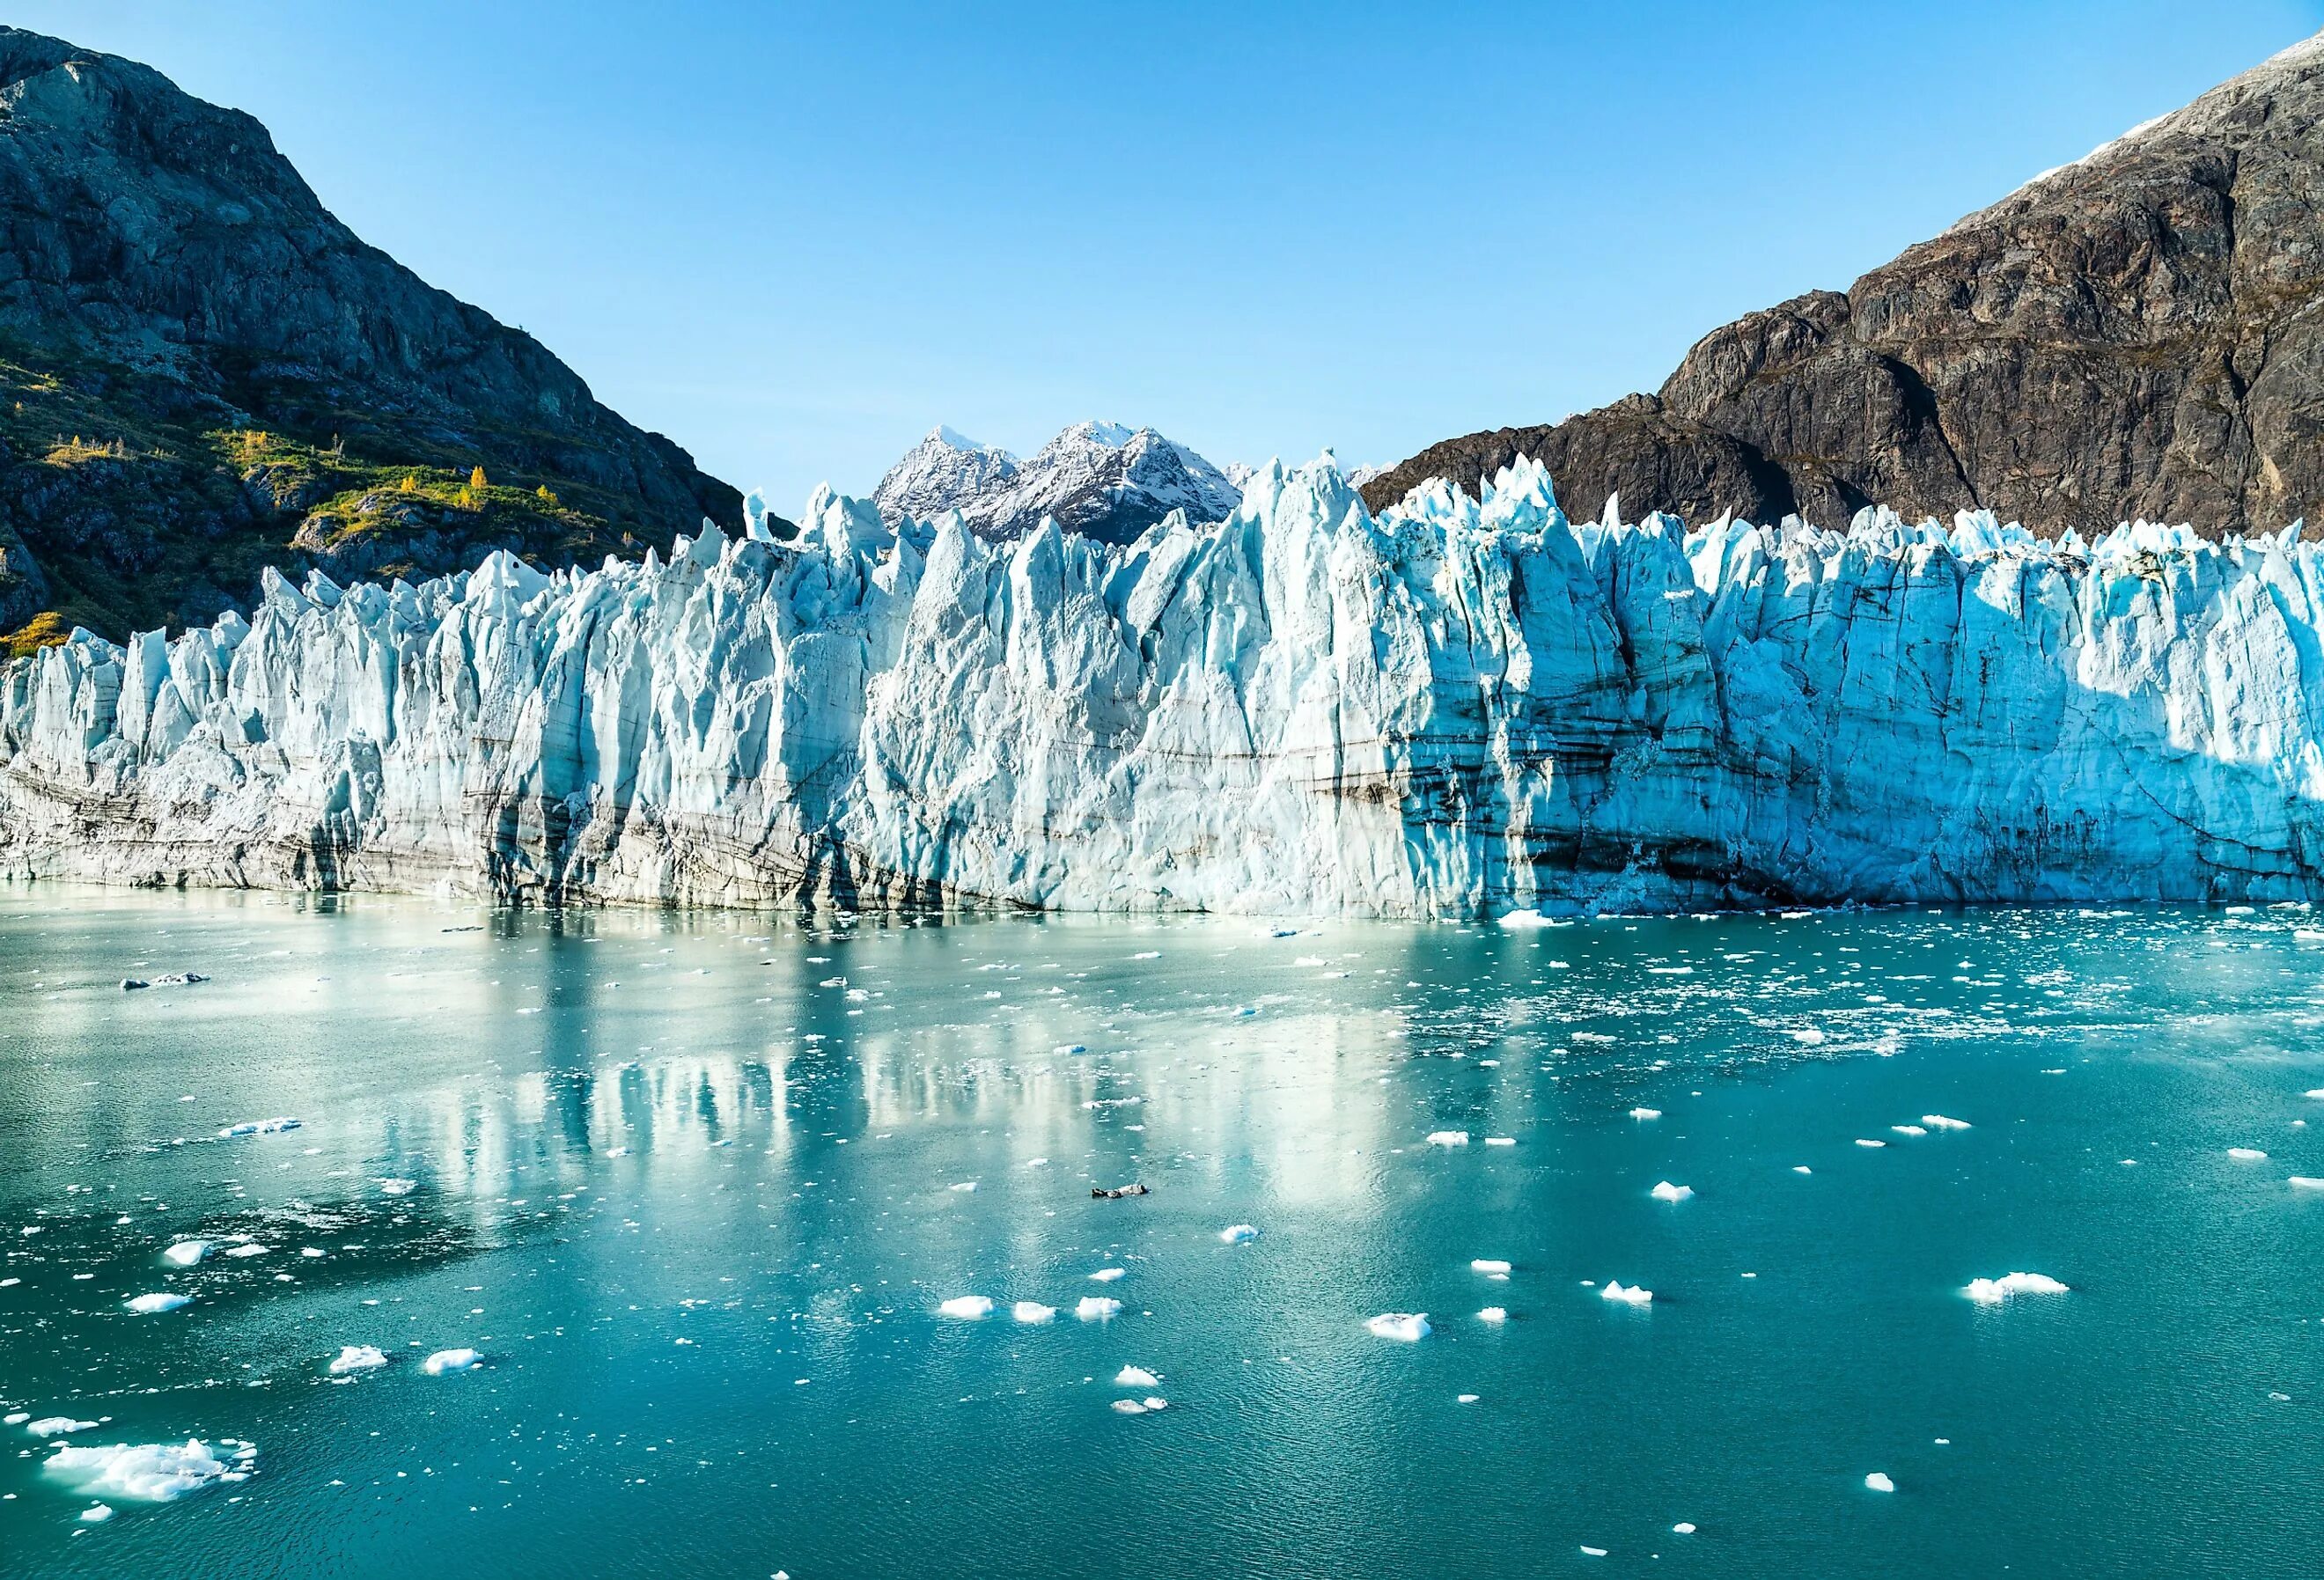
1666	1191
147	1305
446	1362
1136	1377
1237	1234
1631	1294
58	1427
1993	1291
1410	1326
1487	1264
967	1307
1448	1138
356	1358
1878	1481
151	1473
1494	1314
1939	1121
186	1252
1032	1312
1097	1308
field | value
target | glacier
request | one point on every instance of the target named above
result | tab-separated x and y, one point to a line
1462	706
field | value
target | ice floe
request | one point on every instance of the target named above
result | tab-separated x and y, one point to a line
1646	1114
2247	1154
2303	1182
1448	1138
1993	1291
1488	1264
356	1358
148	1305
1878	1481
1666	1191
1939	1121
58	1427
1106	1275
1136	1377
966	1307
258	1127
1630	1294
1238	1233
1410	1326
186	1252
1097	1308
150	1473
444	1362
1032	1312
1494	1314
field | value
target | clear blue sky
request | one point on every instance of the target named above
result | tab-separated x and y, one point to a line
795	239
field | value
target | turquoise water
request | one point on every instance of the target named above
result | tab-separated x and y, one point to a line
686	1184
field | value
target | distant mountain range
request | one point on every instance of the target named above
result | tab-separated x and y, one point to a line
202	371
1100	479
2136	333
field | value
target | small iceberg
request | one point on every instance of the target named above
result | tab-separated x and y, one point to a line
398	1186
150	1473
1525	922
1448	1138
1106	1275
2247	1154
186	1252
1802	1169
58	1427
966	1307
1030	1312
97	1513
1939	1121
1136	1377
1500	1140
1646	1114
1630	1294
1683	1528
445	1363
1861	1141
1409	1326
1493	1316
1666	1191
2303	1182
1488	1264
1097	1308
357	1358
1238	1233
1908	1129
1878	1481
1993	1291
147	1305
258	1127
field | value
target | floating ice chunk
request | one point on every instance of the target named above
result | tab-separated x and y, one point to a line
248	1248
186	1252
1939	1121
966	1307
965	1185
58	1427
1589	1552
1666	1191
444	1362
1526	921
1878	1481
258	1127
1032	1311
1106	1275
1409	1326
1465	1398
1493	1316
1136	1377
398	1186
1809	1036
1097	1308
151	1473
1802	1169
15	1418
1488	1264
1646	1114
2303	1182
2247	1154
1069	1047
1993	1291
1908	1129
1500	1140
97	1513
1862	1143
147	1305
1448	1138
1683	1528
356	1358
1129	1407
1630	1295
2313	1092
1238	1233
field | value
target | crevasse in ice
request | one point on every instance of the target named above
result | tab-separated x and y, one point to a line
1460	706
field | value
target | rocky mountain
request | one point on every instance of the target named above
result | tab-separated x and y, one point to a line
2135	334
1099	479
202	371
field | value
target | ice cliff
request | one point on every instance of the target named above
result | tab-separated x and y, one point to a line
1460	706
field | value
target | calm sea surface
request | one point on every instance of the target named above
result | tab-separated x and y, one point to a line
695	1187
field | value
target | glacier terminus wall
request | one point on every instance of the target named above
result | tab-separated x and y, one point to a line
1460	708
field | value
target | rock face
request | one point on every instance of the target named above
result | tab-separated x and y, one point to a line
2135	334
197	357
1099	479
1456	707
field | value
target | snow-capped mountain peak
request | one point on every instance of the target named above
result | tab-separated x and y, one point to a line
1104	480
